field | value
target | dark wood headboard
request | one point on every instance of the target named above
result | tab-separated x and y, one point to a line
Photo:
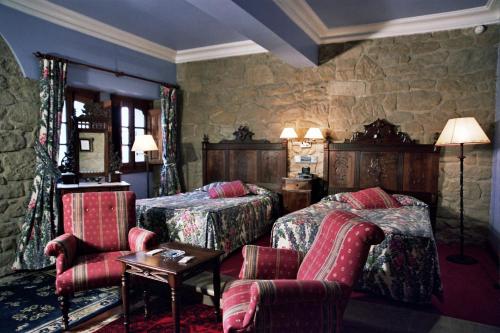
382	156
253	161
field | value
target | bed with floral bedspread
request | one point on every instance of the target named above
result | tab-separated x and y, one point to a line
403	267
223	224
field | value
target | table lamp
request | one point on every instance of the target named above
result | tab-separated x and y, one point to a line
462	131
145	143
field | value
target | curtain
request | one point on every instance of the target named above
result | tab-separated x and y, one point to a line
41	219
169	178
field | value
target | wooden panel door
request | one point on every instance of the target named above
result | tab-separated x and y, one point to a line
342	169
154	128
420	172
271	167
379	169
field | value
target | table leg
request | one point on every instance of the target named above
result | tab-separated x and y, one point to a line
174	290
125	305
216	282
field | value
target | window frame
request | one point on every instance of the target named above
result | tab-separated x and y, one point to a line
118	102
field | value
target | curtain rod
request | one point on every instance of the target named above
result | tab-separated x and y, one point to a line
118	74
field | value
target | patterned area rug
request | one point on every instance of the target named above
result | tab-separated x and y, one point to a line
28	303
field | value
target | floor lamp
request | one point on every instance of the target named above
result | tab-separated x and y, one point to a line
145	143
460	132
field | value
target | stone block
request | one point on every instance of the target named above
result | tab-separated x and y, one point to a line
6	98
420	100
12	190
367	69
347	88
11	141
260	74
19	165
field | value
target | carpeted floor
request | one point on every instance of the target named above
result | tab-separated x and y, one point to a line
28	303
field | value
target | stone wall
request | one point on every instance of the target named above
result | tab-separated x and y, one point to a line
416	81
18	122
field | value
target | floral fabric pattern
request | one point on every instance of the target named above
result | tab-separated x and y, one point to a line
404	266
40	221
169	178
194	218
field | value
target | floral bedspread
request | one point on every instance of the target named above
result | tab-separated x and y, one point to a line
194	218
404	266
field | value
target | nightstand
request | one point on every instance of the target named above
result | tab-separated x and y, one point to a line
299	193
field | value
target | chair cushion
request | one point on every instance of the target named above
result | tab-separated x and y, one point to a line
370	198
236	302
91	271
261	262
228	190
340	248
100	220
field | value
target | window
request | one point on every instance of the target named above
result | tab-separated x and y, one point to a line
132	122
73	105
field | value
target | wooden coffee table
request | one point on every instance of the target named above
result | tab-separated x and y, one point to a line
170	272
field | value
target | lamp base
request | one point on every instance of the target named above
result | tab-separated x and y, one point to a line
461	259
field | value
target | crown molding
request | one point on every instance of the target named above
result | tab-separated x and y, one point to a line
245	47
304	16
61	16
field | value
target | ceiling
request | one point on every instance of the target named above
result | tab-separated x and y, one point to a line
190	30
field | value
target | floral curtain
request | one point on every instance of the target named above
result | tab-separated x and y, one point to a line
169	180
41	219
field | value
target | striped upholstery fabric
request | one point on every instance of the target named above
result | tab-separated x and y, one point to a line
340	248
64	248
141	239
99	227
91	271
316	300
228	190
370	198
100	220
268	263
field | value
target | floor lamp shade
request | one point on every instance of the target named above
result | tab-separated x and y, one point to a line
462	131
145	143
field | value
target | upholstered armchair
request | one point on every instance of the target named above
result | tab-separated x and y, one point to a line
98	228
278	291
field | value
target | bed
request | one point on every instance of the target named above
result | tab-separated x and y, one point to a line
228	223
405	265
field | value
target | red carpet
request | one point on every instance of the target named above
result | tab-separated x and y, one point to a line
194	318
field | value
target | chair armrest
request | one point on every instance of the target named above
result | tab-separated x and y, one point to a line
269	263
294	305
141	239
64	249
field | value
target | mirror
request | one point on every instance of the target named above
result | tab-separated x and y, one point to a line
93	153
94	135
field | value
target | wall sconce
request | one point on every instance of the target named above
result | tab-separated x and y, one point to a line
312	134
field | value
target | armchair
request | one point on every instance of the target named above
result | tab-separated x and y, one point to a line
278	291
98	228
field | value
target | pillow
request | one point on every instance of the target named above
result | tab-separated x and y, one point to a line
207	187
370	198
228	190
255	189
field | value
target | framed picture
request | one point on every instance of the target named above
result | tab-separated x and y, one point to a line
86	145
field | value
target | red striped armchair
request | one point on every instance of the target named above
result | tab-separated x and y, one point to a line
278	291
98	228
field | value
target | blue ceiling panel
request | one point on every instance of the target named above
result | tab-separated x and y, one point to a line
172	23
339	13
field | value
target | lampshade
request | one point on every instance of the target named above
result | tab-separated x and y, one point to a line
144	143
462	130
313	133
288	133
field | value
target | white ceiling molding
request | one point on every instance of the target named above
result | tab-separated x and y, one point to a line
59	15
304	16
219	51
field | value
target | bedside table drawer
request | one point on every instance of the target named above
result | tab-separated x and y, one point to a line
297	184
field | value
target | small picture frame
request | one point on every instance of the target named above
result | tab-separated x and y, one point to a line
86	145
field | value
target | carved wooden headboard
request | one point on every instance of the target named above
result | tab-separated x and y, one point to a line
382	156
253	161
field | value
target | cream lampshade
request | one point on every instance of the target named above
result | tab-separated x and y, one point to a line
462	131
288	133
144	143
313	133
